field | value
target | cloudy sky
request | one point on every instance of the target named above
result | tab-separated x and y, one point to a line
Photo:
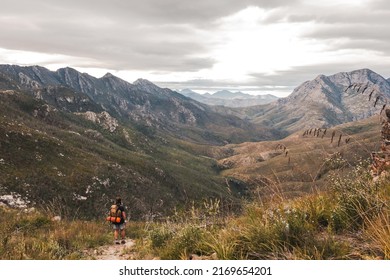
257	46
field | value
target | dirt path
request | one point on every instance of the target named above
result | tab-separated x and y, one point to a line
113	252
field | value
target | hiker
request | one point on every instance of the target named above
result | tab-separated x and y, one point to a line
118	220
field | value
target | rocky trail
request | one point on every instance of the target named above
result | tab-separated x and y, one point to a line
113	252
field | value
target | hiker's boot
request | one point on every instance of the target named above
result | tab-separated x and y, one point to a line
117	242
123	241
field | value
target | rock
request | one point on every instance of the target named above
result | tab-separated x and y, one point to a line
14	200
104	119
195	257
56	219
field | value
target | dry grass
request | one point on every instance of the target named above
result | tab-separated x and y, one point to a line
341	223
36	236
305	168
378	231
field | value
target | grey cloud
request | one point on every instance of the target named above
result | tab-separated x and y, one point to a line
375	11
344	27
152	10
176	35
373	37
141	48
299	74
139	35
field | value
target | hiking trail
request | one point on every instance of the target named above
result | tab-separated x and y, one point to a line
113	251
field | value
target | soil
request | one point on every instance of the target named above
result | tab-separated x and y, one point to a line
113	252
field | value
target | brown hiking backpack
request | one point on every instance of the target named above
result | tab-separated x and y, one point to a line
115	214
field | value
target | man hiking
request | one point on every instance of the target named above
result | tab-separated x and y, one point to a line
118	220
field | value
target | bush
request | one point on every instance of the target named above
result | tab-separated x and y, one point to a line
357	199
159	236
183	243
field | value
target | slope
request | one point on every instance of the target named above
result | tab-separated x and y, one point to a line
300	163
143	104
324	102
61	161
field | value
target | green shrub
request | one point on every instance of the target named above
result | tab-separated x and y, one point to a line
159	236
357	198
183	243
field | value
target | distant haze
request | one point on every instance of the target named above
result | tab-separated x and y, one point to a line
257	47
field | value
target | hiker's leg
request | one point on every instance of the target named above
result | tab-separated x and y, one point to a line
123	233
116	233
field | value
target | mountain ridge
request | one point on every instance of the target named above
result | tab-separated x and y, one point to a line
144	104
228	98
77	162
326	101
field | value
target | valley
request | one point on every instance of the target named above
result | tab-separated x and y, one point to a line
262	182
71	142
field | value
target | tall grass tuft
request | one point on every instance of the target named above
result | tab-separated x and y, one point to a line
378	231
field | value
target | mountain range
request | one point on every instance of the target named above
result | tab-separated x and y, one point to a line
71	142
142	103
229	99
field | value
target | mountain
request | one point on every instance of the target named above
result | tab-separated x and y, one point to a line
151	108
229	99
225	94
326	101
192	94
70	142
61	152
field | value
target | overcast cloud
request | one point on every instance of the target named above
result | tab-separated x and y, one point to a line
255	46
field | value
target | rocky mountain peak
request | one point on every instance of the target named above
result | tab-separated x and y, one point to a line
330	100
108	75
67	74
148	86
144	83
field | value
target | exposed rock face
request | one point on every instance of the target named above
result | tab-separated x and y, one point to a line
13	200
104	119
327	101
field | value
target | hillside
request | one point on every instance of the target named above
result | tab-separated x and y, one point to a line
323	102
60	160
300	163
71	142
142	104
63	153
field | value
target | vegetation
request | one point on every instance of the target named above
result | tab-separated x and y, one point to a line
307	196
310	161
350	221
60	159
35	236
